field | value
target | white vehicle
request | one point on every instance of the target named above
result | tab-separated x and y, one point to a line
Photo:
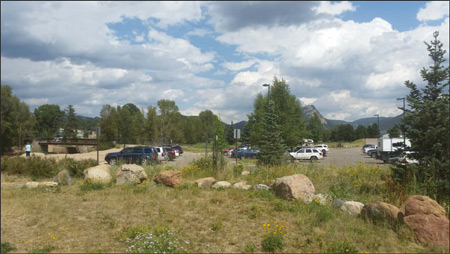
322	147
311	154
162	153
367	148
388	146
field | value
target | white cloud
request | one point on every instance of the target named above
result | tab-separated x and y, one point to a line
36	101
307	101
233	66
434	10
334	8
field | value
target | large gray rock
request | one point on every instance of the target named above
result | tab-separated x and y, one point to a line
294	187
98	174
130	174
63	178
352	207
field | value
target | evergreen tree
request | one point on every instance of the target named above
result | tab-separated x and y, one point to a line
427	123
49	119
394	132
315	128
151	125
71	123
361	132
108	124
230	134
272	145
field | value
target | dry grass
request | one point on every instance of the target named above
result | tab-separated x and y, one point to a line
226	221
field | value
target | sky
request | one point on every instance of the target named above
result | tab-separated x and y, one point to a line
348	59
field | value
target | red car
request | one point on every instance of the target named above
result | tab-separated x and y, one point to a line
171	153
227	151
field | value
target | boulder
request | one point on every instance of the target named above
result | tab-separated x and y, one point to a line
130	174
98	174
169	178
205	182
429	229
294	186
261	187
48	184
427	220
380	212
352	207
242	186
422	205
338	203
221	184
63	178
31	185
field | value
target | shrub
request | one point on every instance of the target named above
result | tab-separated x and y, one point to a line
274	235
341	247
34	166
7	247
76	167
267	175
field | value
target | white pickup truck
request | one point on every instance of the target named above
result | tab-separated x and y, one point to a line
311	154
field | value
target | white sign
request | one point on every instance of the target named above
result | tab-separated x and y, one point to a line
237	133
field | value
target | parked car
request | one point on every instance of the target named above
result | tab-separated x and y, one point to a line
227	151
372	152
311	154
162	153
249	153
367	147
404	158
171	153
233	152
322	147
143	155
179	148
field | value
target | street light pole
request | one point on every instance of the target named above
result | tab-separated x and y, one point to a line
399	99
378	123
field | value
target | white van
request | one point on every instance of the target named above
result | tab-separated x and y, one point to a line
322	147
162	153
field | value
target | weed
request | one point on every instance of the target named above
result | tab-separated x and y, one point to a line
7	247
160	240
250	248
341	247
45	249
216	225
274	235
89	185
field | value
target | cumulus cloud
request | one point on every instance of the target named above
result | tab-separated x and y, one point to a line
434	10
334	8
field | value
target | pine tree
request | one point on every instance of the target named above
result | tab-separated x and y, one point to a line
272	145
230	134
315	128
427	123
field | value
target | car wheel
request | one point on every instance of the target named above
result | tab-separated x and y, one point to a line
313	159
144	161
112	161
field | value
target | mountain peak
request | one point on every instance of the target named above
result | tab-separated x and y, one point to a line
308	112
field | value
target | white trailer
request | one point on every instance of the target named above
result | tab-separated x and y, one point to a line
387	147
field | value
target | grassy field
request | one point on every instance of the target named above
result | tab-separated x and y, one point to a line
100	218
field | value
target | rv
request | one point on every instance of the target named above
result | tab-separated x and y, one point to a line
390	147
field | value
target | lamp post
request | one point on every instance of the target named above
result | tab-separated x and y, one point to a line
403	132
268	85
378	123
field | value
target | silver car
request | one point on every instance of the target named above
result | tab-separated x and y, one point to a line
162	153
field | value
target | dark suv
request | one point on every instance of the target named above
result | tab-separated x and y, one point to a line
143	155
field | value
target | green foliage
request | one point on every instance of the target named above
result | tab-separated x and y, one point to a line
16	121
90	185
315	128
274	235
250	248
160	240
361	132
7	247
38	167
45	249
427	123
343	132
272	145
341	247
394	132
108	124
229	134
49	119
71	123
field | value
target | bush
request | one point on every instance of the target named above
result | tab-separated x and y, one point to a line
7	247
38	167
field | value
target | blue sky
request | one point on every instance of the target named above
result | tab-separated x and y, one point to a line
349	59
